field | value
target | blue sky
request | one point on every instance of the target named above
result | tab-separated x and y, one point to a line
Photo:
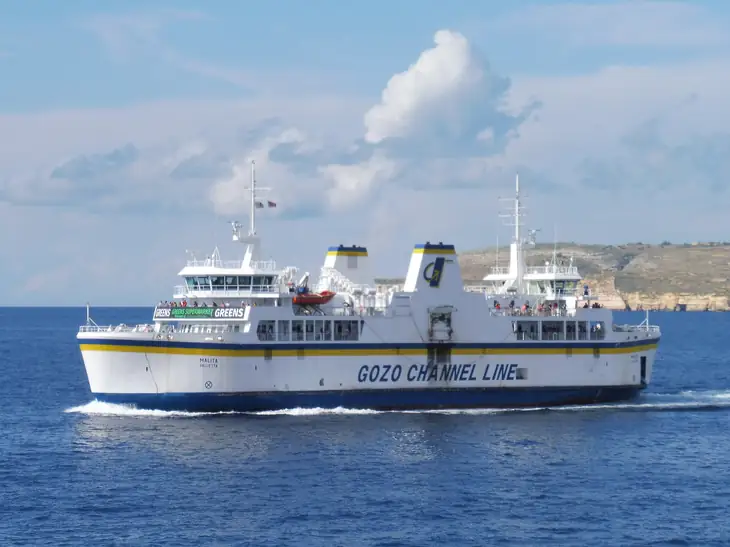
127	128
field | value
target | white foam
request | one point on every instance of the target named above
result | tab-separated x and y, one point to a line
683	400
98	408
316	412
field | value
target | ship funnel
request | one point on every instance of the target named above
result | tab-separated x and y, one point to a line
352	262
433	267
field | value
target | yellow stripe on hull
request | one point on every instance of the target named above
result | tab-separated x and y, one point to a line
344	352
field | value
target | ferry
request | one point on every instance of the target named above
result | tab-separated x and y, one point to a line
249	336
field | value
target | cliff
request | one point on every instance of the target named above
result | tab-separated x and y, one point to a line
691	275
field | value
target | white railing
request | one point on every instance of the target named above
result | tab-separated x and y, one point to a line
257	265
117	328
181	291
538	270
332	279
636	328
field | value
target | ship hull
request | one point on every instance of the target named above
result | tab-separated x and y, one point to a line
383	400
208	376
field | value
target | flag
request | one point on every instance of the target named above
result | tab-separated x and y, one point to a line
271	204
259	205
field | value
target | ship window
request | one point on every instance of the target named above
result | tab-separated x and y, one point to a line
327	330
258	281
266	330
346	330
582	331
203	283
526	330
231	283
318	329
310	331
217	282
190	282
598	330
283	332
297	330
552	330
244	282
570	331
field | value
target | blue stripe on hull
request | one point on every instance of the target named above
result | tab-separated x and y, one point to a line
376	400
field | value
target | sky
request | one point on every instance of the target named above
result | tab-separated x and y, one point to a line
127	130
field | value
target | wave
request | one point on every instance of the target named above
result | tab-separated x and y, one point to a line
650	402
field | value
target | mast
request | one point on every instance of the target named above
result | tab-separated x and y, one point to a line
517	208
512	216
518	257
252	230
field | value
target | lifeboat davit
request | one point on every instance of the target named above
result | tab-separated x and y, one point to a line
313	298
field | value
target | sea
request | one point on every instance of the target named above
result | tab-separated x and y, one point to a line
650	472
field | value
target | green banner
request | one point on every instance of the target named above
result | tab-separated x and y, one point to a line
199	313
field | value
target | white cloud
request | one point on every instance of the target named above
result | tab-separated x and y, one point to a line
353	183
629	23
448	103
444	140
588	116
450	90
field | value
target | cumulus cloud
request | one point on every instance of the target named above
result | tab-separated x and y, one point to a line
449	103
449	92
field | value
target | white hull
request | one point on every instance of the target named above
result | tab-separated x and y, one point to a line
192	375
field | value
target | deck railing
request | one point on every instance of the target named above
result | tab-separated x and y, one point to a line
180	291
538	270
258	265
117	328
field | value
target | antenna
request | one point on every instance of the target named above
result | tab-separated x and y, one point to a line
254	194
516	211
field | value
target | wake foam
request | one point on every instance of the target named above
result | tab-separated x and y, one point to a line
98	408
650	402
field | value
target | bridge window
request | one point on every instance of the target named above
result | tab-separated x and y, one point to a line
190	282
231	283
266	330
283	332
258	281
203	283
598	330
297	330
582	330
244	282
552	330
526	330
217	282
346	330
570	330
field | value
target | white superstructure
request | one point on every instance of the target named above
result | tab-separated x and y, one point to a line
553	282
246	335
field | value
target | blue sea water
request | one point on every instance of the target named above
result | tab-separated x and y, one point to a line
655	471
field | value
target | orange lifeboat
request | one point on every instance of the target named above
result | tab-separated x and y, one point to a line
313	299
